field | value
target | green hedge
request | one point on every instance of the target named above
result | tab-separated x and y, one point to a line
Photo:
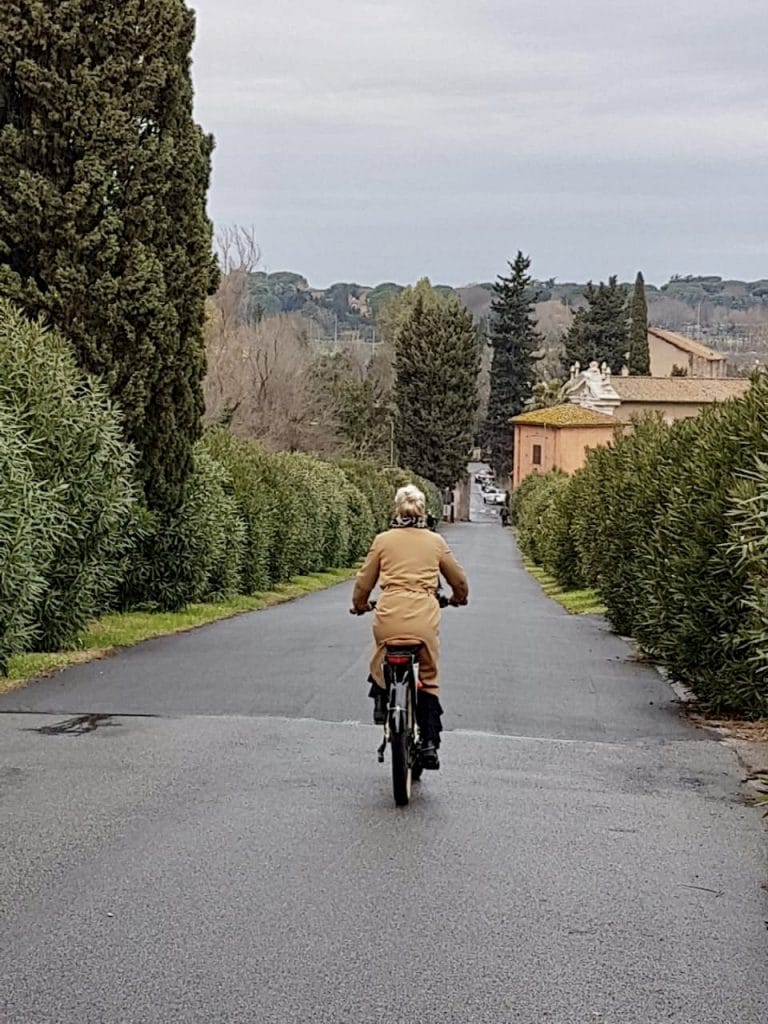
253	479
30	529
670	525
193	554
69	480
368	477
77	541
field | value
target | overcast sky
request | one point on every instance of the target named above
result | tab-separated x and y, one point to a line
373	140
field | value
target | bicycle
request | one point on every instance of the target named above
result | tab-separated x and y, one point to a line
401	727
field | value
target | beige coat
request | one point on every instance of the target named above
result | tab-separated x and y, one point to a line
405	562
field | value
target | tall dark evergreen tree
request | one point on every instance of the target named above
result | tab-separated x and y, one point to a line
514	340
639	352
436	368
599	330
103	228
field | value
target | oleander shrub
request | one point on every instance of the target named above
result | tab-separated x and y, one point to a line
31	528
555	544
72	438
693	614
298	536
333	511
532	501
192	554
670	525
361	521
614	504
374	484
748	548
252	472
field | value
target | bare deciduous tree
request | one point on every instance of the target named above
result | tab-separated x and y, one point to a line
239	255
552	322
261	383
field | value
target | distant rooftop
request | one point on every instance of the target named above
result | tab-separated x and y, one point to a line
694	348
567	415
697	390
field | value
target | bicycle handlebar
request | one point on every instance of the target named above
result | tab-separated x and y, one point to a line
442	600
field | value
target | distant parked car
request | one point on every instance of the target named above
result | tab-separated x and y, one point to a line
493	496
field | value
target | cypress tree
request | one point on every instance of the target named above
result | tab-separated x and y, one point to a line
436	368
599	330
639	353
103	229
514	340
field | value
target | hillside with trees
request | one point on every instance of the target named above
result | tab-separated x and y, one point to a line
729	315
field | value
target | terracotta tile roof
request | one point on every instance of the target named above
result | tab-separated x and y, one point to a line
694	348
567	415
699	390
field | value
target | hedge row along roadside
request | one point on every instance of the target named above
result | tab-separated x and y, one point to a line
670	526
76	541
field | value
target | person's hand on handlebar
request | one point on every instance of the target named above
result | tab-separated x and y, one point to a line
362	611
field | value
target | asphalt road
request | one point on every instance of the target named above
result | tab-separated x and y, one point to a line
225	848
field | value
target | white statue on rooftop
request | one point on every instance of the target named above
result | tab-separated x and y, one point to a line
592	388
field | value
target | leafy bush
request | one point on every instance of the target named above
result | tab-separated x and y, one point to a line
332	511
694	609
298	538
193	554
251	469
72	439
31	527
538	492
748	548
614	503
519	497
374	484
555	545
670	525
361	524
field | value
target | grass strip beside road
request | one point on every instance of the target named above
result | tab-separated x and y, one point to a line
124	629
577	602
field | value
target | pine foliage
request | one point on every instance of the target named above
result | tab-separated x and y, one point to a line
639	352
598	332
514	340
103	228
436	366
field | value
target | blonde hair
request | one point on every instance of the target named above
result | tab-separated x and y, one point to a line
410	501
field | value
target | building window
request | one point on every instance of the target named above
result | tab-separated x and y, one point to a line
537	455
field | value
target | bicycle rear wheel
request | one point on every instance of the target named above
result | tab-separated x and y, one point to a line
401	741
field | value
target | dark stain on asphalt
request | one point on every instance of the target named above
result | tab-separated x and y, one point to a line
77	726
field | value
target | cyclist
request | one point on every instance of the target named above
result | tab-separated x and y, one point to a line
406	561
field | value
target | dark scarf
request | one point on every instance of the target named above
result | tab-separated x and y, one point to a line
420	522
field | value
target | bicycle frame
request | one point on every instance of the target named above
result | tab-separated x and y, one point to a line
401	674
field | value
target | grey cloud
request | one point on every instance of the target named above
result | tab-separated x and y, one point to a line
584	133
